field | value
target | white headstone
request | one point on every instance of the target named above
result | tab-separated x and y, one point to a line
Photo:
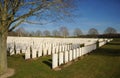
61	58
54	60
53	50
57	49
68	46
49	51
34	53
70	55
63	48
66	56
11	48
12	51
74	53
18	51
60	48
27	53
39	51
44	51
83	50
80	50
18	48
77	52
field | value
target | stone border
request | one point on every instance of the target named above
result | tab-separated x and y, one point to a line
10	72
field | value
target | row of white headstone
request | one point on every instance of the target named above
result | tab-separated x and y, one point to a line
69	55
17	45
36	47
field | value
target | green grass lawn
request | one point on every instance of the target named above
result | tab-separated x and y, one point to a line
101	63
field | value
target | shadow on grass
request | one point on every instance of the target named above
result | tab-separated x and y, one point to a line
48	63
50	60
23	56
108	51
113	43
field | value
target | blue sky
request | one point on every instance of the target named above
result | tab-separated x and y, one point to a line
98	14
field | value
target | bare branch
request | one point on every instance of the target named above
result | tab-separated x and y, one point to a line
16	25
16	10
30	12
13	8
38	22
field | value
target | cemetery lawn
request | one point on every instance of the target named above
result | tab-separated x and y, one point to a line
101	63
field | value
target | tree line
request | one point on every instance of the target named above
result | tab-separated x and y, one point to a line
64	32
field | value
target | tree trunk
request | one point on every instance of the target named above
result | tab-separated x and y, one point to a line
3	52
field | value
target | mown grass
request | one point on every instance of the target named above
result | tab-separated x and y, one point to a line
101	63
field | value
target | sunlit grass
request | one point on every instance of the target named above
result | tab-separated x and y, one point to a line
101	63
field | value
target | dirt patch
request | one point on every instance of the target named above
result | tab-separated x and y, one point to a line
66	65
57	69
10	72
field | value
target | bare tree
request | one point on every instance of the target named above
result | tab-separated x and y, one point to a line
15	12
21	32
77	32
12	33
110	30
93	31
64	31
32	34
46	33
38	33
55	33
